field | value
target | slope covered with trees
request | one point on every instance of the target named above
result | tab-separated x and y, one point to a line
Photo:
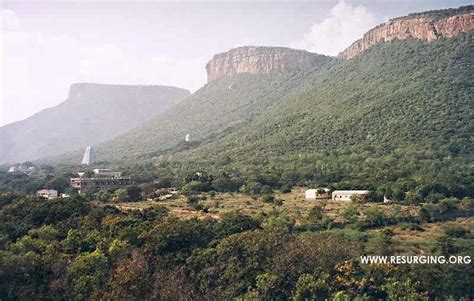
217	109
369	121
92	113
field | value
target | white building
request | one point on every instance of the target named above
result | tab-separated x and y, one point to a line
107	172
345	195
319	193
49	194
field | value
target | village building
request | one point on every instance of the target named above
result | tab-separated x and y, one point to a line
166	193
317	194
102	172
49	194
345	195
99	183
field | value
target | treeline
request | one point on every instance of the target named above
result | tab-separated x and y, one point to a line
71	250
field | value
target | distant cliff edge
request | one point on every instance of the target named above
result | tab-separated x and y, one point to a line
262	60
427	26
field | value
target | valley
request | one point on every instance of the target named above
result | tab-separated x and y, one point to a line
270	182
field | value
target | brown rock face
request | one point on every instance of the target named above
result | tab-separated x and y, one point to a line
422	27
261	60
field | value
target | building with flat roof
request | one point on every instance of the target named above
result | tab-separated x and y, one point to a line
318	193
345	195
98	183
102	172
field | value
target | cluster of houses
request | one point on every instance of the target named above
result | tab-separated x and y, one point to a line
103	178
336	195
22	169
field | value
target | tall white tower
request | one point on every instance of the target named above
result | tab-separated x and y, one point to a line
186	138
89	156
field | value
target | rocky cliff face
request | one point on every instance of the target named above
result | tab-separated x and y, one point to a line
261	60
428	28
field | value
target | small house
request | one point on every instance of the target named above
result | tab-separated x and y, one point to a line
49	194
316	194
345	195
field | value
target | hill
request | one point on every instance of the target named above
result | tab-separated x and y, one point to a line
371	121
428	26
227	103
91	114
395	118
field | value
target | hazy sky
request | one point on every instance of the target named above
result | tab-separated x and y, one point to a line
46	46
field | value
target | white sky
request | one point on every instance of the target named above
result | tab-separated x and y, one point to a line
47	46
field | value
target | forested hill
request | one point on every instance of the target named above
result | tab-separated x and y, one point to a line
396	116
92	113
400	113
219	108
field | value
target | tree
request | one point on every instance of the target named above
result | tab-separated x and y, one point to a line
163	183
235	222
310	288
130	278
254	188
121	195
350	214
445	245
374	216
147	188
402	290
87	272
265	287
225	183
315	215
134	193
194	187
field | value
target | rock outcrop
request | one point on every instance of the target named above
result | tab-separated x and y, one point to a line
428	28
261	60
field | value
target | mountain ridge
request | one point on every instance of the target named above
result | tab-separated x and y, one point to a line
428	26
91	114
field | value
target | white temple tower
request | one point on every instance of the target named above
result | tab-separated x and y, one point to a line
89	156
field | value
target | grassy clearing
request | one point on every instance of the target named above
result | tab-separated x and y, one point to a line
408	238
293	204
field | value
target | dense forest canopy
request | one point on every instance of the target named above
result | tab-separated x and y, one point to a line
70	249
